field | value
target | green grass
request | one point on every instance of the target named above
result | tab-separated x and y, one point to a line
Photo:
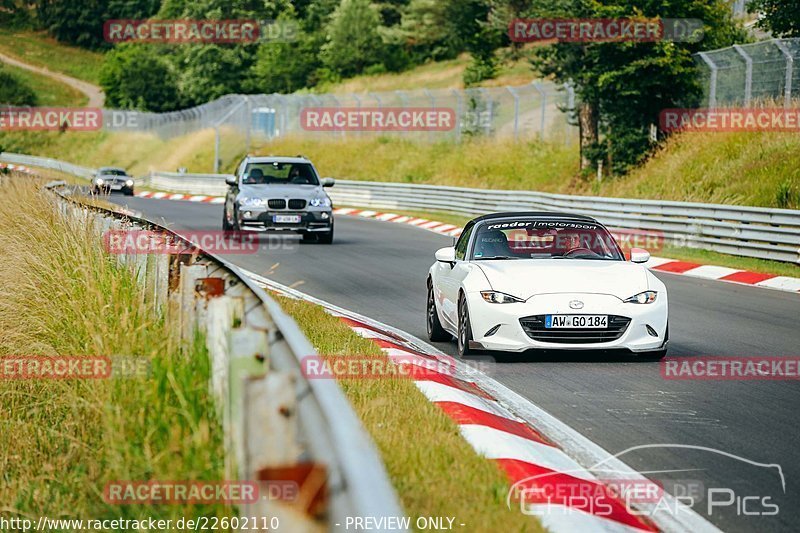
49	92
61	441
41	50
435	471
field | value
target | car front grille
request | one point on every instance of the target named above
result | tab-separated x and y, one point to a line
534	328
297	204
276	203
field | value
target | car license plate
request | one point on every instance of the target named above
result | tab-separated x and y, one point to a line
286	219
116	187
576	321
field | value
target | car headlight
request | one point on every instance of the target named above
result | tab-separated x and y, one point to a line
98	181
250	202
129	183
322	201
646	297
494	297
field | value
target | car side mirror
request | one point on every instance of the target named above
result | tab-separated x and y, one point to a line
328	182
446	255
639	255
232	181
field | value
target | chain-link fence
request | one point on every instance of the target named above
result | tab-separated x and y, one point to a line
537	110
743	74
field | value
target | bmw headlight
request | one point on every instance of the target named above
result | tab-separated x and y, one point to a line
320	201
646	297
129	183
494	297
98	181
250	202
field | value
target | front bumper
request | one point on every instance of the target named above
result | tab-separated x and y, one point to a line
310	220
510	336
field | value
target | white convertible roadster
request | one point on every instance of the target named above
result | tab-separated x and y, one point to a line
548	281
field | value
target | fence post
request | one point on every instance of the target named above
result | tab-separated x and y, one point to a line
712	84
787	87
516	111
538	87
748	74
570	107
459	111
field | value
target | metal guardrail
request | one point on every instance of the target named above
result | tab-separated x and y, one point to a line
48	163
758	232
738	230
275	419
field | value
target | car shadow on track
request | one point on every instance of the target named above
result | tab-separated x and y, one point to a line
556	356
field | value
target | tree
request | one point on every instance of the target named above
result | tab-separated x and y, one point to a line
14	91
780	17
353	41
622	87
134	76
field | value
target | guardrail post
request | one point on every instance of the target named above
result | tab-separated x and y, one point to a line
748	73
189	274
538	87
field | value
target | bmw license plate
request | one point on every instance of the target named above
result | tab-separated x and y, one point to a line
576	321
116	187
286	219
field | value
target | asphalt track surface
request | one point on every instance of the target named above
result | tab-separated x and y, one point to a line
379	269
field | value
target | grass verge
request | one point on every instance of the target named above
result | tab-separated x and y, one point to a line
680	253
49	92
61	441
37	48
435	471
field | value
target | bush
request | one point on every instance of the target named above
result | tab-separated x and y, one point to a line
14	91
136	77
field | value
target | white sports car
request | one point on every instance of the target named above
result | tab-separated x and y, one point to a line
548	281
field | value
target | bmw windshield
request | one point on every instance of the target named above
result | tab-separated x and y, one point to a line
544	239
275	173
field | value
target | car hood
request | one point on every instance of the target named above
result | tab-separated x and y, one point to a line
525	278
306	192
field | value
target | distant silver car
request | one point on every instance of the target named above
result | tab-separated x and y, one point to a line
110	179
282	194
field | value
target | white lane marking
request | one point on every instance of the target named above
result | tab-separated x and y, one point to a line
198	198
496	444
417	221
367	214
386	216
430	225
159	195
344	211
783	283
218	200
177	197
444	228
710	272
402	219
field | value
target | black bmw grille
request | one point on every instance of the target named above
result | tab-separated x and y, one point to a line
297	204
534	327
276	203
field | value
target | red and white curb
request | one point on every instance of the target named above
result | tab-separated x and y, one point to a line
16	168
660	264
524	441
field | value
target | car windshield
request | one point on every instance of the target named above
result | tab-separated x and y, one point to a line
112	172
544	239
274	173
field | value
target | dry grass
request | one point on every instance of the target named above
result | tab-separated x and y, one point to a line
435	471
61	441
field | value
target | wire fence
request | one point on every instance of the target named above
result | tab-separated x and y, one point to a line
744	74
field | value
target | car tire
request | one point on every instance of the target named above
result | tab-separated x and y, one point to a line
464	328
235	226
225	225
656	355
436	332
327	237
308	237
128	193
